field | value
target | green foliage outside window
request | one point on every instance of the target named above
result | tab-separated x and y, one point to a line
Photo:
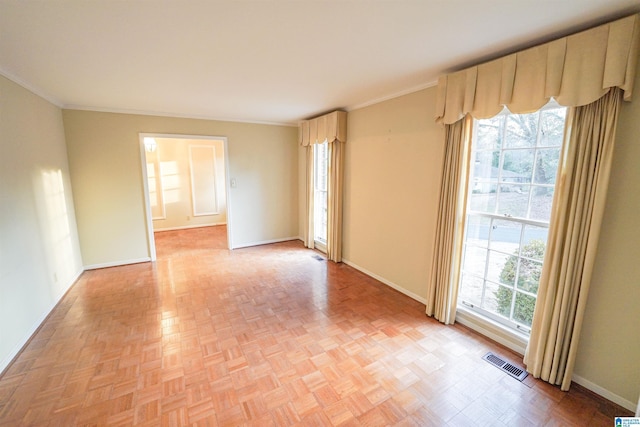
528	280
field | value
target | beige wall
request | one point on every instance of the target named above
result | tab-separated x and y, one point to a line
39	250
393	160
105	164
172	155
609	352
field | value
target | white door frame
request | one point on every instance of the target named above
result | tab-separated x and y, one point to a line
151	243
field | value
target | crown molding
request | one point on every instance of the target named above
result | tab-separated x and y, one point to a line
175	115
392	96
31	88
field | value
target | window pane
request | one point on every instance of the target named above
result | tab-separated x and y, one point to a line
485	165
517	166
522	130
484	202
513	200
529	275
490	301
320	193
471	289
541	202
489	133
505	235
546	167
320	216
552	127
534	241
500	269
523	311
478	230
320	157
504	300
475	260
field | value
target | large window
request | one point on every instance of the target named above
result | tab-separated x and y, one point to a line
514	162
320	172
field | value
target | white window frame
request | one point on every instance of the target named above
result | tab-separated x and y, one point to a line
477	317
319	242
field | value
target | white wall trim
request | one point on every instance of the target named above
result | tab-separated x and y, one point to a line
31	88
392	96
264	242
117	263
170	114
386	282
148	217
627	404
4	363
184	227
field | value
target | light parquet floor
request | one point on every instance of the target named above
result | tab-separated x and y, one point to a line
263	336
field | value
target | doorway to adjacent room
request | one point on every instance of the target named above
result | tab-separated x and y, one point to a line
186	184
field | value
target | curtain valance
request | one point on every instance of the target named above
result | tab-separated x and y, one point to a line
575	70
330	127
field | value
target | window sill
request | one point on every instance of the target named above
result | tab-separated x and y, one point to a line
507	337
320	246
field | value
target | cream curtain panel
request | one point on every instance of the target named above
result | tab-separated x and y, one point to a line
575	70
442	294
332	128
573	239
309	226
334	207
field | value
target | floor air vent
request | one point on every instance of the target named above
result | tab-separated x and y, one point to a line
318	257
516	372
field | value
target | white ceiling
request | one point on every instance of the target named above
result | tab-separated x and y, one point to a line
265	61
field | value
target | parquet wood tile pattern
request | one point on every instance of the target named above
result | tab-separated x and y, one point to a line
264	336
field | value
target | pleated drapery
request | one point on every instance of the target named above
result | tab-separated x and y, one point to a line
334	205
332	128
575	70
442	291
309	226
577	213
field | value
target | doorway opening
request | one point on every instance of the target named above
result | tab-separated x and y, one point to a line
185	184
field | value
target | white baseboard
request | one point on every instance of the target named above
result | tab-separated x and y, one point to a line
184	227
386	282
627	404
4	363
117	263
264	242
